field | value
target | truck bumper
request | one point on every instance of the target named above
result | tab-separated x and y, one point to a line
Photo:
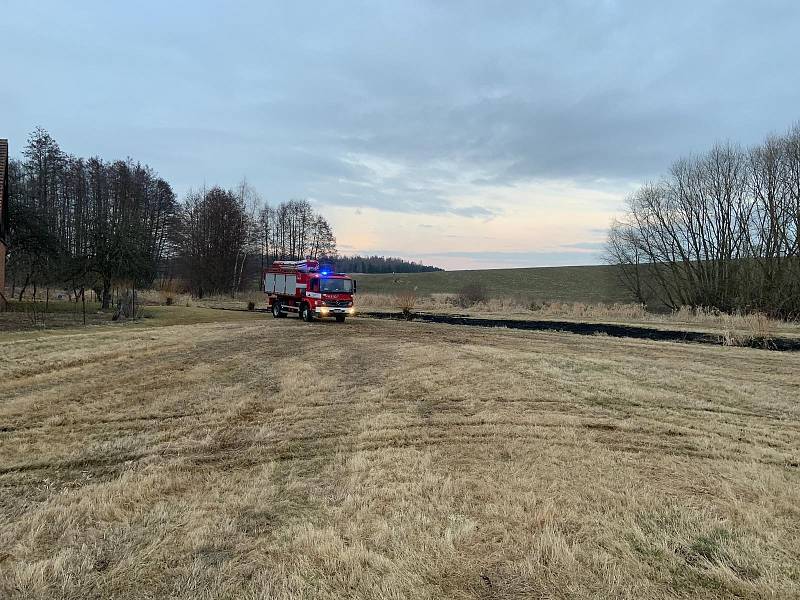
327	311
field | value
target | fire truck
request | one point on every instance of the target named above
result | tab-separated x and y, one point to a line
308	290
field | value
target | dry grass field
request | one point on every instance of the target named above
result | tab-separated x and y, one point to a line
597	283
260	458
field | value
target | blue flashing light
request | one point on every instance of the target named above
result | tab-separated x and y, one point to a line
326	272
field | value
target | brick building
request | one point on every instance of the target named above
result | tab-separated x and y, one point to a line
3	213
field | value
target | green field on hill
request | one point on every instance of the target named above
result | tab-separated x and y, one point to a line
591	284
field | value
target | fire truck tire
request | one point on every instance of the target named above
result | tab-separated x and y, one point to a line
340	318
306	314
276	310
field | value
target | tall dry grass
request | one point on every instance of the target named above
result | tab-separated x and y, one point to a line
164	298
172	296
737	329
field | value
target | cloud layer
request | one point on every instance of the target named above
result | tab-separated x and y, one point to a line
447	113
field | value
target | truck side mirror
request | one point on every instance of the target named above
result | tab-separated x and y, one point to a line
354	286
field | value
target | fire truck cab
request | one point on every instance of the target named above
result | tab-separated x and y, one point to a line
308	290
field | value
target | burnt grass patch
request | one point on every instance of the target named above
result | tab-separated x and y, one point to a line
781	344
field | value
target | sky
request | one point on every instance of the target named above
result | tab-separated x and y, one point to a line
461	134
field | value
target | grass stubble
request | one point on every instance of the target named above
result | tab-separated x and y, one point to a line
266	458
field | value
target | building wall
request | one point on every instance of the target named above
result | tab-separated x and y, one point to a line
3	210
2	268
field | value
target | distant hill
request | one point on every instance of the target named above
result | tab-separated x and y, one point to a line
567	284
378	264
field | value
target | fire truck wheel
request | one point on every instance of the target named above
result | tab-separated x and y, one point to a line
276	310
306	314
340	318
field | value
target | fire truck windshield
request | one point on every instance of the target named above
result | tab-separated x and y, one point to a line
336	286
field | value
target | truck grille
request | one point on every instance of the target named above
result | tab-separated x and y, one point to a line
338	303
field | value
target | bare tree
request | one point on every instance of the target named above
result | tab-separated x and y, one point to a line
294	231
103	222
720	230
214	231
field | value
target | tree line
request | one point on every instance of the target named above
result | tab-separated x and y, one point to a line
379	264
225	238
229	237
720	230
84	223
88	224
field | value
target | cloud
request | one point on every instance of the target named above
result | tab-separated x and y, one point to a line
516	259
447	111
585	245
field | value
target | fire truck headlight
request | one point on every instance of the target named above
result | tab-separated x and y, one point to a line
323	310
352	311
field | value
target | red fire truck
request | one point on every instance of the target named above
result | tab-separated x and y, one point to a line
308	290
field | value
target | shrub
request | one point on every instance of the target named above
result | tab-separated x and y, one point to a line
406	301
471	294
251	305
754	329
169	301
